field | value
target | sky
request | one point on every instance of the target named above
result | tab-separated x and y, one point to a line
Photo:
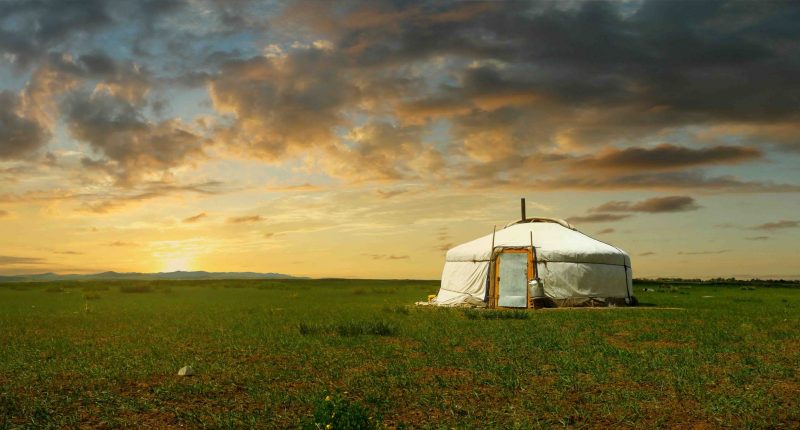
364	139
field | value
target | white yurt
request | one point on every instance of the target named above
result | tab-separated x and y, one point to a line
536	262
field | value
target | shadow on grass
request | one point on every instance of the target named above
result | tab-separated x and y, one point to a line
646	305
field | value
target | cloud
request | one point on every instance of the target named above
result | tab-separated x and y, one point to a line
578	96
102	203
666	181
121	244
131	146
304	187
379	151
648	253
46	24
759	238
654	205
284	105
667	157
596	218
387	194
606	231
445	246
68	252
722	251
388	257
195	218
777	225
534	82
246	219
106	201
8	260
19	136
3	213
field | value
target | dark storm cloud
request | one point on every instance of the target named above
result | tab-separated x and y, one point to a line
668	157
654	205
19	136
777	225
611	211
666	181
696	57
356	88
29	29
596	218
131	145
531	75
25	119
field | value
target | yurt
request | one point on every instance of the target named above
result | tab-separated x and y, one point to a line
536	262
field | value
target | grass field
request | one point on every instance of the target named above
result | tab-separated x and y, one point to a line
276	354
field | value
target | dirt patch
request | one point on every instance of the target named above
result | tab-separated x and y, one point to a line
447	372
486	345
669	344
620	340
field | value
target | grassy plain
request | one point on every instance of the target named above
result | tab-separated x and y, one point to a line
267	354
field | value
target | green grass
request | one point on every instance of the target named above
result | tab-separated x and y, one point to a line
267	354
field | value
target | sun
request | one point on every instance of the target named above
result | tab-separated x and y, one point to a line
177	264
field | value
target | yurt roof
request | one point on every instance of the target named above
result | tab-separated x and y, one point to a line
555	241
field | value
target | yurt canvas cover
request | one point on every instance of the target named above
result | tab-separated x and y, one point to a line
573	268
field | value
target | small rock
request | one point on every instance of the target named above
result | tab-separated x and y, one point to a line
186	371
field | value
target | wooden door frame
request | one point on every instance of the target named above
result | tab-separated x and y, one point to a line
496	278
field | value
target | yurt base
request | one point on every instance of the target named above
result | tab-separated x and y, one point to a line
543	302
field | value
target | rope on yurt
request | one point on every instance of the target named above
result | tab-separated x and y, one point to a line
491	265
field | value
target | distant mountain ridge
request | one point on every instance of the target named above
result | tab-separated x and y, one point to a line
198	275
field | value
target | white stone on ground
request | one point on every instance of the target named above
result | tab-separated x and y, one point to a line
186	371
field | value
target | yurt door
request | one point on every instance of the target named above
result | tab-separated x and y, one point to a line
513	272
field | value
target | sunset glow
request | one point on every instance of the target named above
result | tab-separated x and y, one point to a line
177	264
364	139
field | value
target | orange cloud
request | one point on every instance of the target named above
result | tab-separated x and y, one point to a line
596	218
195	218
654	205
246	219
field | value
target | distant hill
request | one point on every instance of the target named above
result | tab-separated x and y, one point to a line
43	277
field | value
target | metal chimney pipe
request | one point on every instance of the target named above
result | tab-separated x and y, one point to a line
522	207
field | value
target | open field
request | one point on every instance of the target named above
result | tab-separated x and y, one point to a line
268	354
